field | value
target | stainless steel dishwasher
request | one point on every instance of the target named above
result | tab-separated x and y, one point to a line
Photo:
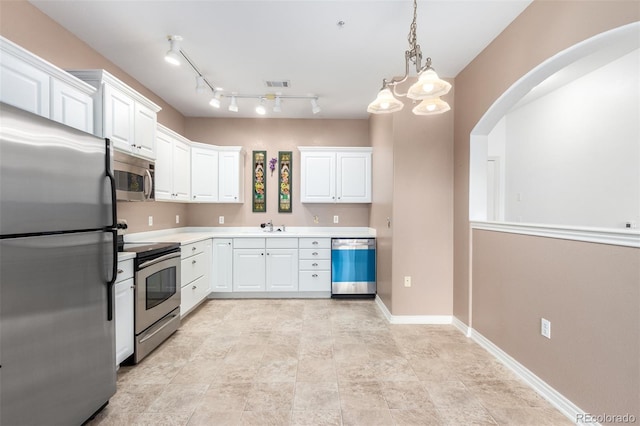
353	267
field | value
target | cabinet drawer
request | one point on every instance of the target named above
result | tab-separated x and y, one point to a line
324	253
192	268
248	243
282	243
125	270
315	265
313	243
314	281
192	294
188	250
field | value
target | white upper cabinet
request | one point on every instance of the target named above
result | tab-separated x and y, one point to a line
204	173
172	166
71	106
231	174
122	114
33	84
335	175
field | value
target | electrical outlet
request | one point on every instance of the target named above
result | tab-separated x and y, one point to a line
150	220
221	220
336	219
316	219
177	218
545	328
407	281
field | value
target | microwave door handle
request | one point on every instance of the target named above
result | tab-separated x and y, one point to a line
147	194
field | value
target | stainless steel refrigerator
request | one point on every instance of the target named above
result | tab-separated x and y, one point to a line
57	263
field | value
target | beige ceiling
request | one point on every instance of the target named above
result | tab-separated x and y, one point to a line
238	45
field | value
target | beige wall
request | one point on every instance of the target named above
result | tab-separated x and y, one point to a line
381	130
589	292
518	49
593	355
273	135
415	156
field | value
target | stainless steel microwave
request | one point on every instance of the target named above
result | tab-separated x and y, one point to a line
134	177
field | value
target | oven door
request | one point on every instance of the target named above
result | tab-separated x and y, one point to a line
157	289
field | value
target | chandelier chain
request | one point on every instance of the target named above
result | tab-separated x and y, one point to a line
414	26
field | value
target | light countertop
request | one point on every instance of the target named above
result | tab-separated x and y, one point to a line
188	235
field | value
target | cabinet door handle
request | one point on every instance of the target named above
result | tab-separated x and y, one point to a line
315	275
120	271
315	253
193	262
261	254
194	287
193	248
315	243
315	264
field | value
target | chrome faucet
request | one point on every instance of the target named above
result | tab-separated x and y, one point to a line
269	224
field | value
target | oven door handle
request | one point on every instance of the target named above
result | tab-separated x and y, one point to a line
159	259
166	320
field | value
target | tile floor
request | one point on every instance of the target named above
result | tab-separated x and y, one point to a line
319	362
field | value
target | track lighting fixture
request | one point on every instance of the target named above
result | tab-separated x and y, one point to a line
176	54
428	88
173	54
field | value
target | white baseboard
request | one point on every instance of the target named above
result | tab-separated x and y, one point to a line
464	328
412	319
554	397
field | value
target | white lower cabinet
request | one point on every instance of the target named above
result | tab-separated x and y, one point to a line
315	264
248	264
265	264
282	264
195	275
222	277
123	307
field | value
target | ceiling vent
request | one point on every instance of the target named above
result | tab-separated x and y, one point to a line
278	83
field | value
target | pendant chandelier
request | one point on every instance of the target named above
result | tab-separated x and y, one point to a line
427	89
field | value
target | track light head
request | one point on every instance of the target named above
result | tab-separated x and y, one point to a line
314	106
260	109
233	106
215	101
278	105
173	54
201	87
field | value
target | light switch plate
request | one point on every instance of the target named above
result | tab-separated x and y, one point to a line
150	220
221	220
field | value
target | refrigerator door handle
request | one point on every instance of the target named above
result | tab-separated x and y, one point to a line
112	229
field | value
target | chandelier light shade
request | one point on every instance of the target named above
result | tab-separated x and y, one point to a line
385	103
431	106
429	85
173	54
428	88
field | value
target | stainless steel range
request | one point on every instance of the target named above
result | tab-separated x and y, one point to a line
157	294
